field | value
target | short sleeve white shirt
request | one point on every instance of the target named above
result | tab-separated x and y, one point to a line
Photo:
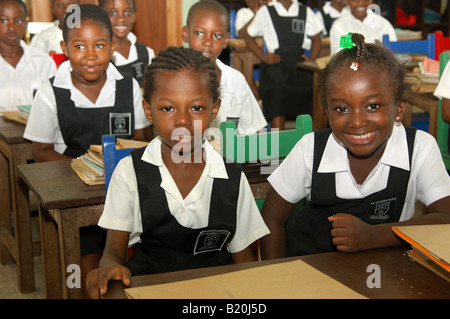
49	39
332	12
373	27
443	89
43	125
120	60
428	182
243	16
122	209
18	85
262	26
238	102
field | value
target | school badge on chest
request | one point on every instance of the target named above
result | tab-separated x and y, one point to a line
298	26
120	123
381	211
210	240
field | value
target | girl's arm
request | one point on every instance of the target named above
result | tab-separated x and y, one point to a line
111	266
43	152
144	134
316	44
268	58
275	213
243	256
351	234
446	109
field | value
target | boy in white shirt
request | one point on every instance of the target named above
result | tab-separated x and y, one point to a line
362	20
24	69
330	11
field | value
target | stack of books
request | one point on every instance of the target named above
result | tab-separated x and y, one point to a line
24	111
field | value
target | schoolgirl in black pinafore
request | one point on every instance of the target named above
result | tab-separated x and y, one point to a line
327	20
136	68
308	231
168	246
285	89
82	127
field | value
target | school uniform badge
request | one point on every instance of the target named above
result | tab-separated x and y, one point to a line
381	210
120	123
211	240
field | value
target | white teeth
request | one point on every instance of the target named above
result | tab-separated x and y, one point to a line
362	136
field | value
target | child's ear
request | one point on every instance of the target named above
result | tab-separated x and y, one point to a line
64	48
113	46
147	111
184	34
227	39
400	111
216	108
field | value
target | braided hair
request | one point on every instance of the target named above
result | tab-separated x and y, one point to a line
372	57
176	60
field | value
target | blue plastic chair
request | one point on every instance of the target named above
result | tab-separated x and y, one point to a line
111	156
427	47
442	126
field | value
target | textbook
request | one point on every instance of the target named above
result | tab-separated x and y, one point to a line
430	246
89	167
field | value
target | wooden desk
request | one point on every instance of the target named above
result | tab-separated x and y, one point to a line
244	60
401	277
15	245
65	205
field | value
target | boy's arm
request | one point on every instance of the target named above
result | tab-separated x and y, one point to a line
275	213
43	152
446	109
111	266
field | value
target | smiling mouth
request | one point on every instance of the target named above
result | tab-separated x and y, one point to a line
121	28
361	138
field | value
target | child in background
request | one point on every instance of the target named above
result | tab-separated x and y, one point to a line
87	98
288	28
364	174
362	20
245	15
49	40
23	69
175	193
130	56
330	11
206	31
443	92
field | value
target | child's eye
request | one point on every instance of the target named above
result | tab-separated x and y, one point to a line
198	33
341	109
19	21
99	46
197	108
167	108
373	106
112	13
79	47
217	36
3	21
128	13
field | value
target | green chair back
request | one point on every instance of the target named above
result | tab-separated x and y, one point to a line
443	126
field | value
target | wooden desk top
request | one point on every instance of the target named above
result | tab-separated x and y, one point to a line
239	43
57	186
401	277
11	131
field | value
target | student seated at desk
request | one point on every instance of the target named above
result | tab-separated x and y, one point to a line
130	56
49	40
362	20
23	69
177	198
288	29
364	174
206	31
86	99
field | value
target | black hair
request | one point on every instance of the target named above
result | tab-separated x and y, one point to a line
177	59
209	5
53	2
88	12
131	3
372	57
18	2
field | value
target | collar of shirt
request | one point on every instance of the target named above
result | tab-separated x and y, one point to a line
63	79
335	158
281	10
24	60
332	11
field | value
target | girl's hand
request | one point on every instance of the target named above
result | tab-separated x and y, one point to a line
97	280
350	233
271	58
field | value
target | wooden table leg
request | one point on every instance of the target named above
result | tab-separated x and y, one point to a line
51	262
5	211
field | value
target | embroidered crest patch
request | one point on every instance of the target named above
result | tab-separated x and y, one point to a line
120	123
382	210
210	240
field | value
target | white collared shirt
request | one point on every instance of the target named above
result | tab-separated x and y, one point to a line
260	26
428	181
443	89
373	27
243	16
119	60
43	125
328	9
122	209
17	85
49	39
239	102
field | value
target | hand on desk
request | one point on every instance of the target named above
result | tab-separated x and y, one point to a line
350	233
97	280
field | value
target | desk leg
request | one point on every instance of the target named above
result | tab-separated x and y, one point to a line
51	262
22	220
5	211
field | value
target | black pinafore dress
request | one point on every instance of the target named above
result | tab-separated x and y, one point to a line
308	230
136	69
285	89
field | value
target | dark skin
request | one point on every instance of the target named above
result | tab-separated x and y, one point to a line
365	107
272	58
12	29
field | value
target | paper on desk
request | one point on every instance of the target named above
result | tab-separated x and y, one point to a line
290	280
431	244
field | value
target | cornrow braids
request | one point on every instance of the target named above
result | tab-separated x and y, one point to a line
177	59
372	57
